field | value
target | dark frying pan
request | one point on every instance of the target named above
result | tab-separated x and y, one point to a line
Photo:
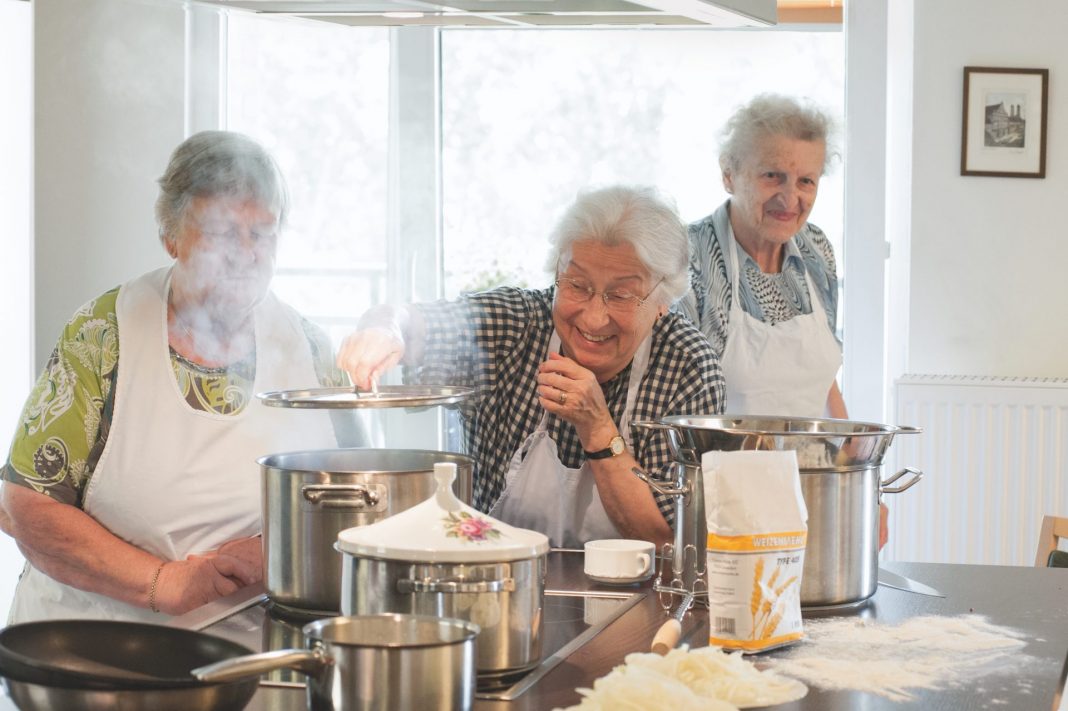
71	661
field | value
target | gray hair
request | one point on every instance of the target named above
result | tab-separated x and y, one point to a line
217	164
629	214
774	115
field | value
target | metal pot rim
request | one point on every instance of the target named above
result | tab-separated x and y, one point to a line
277	459
465	630
827	426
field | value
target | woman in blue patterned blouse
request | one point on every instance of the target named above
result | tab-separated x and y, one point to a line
764	284
765	290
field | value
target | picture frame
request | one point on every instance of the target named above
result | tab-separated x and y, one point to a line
1004	123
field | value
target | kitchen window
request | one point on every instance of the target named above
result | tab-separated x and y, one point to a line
528	117
427	162
531	117
315	94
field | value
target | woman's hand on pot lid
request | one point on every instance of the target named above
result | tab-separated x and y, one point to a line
376	347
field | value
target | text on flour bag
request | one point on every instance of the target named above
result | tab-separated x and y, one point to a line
757	528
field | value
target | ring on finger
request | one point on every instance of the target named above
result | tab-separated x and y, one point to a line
563	398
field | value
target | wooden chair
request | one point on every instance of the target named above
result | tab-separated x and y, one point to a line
1053	529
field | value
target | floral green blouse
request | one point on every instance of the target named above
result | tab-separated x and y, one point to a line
65	421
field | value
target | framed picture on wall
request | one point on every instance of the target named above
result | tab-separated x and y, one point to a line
1004	131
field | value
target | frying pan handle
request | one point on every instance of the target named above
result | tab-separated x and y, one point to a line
884	487
312	662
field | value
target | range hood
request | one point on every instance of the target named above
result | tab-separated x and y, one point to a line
520	13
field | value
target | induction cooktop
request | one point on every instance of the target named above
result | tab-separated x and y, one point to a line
250	618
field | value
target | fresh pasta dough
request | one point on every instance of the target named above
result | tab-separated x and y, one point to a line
705	679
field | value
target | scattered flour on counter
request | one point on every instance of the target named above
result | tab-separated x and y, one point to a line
931	652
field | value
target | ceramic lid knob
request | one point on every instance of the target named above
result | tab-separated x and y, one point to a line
444	475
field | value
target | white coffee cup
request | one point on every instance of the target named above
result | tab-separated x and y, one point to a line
619	559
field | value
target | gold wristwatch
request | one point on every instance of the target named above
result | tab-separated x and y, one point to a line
615	447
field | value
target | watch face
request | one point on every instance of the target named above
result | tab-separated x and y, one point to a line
617	445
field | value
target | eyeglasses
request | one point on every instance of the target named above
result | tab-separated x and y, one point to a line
618	300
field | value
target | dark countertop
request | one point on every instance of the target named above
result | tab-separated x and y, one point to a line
1031	600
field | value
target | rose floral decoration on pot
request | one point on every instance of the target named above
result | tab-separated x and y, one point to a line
469	528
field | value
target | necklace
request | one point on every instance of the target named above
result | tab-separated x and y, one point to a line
208	352
181	323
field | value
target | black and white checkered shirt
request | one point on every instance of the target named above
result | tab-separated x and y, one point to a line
494	341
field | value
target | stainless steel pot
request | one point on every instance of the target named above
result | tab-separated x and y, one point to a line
840	462
309	497
377	663
504	599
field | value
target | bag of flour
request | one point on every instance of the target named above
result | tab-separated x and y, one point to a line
757	528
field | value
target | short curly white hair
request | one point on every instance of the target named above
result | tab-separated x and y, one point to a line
774	115
639	215
217	164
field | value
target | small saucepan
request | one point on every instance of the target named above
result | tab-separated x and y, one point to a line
98	664
374	663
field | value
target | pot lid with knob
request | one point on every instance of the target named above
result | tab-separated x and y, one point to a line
442	529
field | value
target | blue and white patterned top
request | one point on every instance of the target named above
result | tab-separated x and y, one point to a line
772	298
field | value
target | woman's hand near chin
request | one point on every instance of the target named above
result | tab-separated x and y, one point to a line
572	393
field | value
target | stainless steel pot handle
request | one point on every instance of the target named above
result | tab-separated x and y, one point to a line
335	496
660	488
686	455
916	476
312	662
405	586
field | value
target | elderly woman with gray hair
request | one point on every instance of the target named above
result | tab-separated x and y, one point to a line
132	486
561	372
764	283
765	291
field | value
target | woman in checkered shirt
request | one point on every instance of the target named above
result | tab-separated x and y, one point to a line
560	372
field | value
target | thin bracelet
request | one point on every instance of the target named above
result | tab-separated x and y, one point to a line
152	590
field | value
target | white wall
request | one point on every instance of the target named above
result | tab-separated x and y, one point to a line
107	109
15	263
988	293
109	98
864	254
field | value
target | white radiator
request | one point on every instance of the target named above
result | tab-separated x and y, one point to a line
994	452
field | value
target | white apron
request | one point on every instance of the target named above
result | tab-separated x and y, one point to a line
542	494
173	480
785	369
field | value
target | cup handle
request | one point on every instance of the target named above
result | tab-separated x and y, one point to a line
643	559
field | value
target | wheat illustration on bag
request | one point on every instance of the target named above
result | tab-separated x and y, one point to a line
771	611
758	590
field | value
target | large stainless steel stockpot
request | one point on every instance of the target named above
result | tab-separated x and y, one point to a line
443	557
378	663
840	463
309	497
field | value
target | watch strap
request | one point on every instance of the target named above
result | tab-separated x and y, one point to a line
615	446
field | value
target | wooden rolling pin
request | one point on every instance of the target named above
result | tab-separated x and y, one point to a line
667	637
